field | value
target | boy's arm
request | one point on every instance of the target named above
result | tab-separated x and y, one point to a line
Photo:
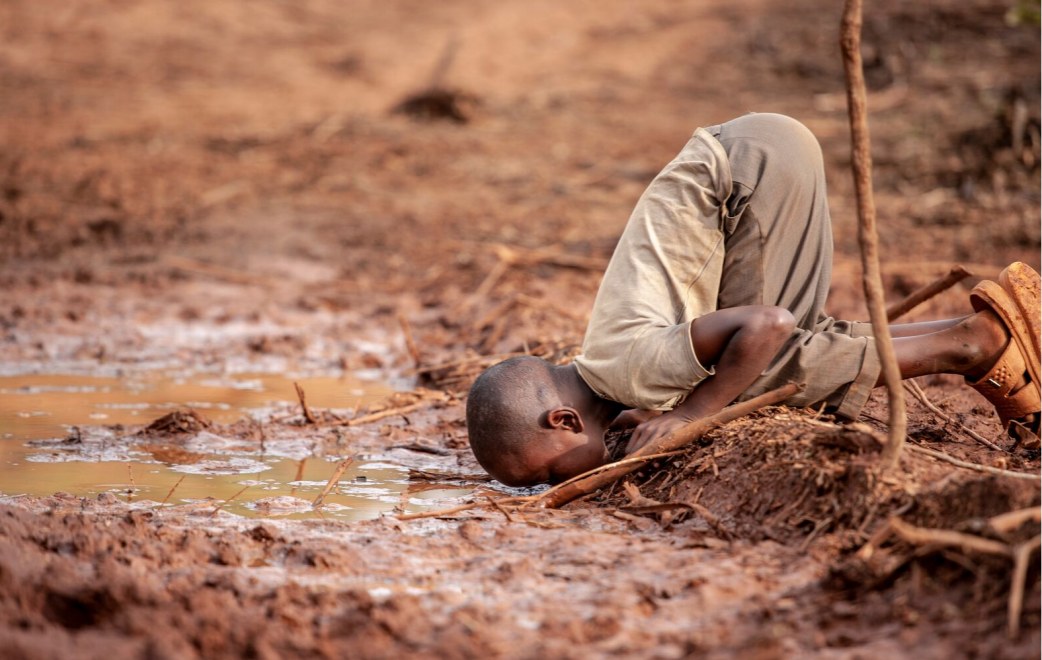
740	342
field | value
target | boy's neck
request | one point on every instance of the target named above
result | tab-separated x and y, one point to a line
575	392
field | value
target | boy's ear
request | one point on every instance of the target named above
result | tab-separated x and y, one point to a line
565	417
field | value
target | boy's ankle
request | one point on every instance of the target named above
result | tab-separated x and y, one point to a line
992	339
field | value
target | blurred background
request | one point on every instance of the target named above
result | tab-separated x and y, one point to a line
371	150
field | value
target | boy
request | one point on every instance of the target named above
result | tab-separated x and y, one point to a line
715	292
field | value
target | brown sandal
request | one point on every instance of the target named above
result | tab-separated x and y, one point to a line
1024	286
1016	304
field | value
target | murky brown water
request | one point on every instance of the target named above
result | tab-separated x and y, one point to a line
43	405
38	408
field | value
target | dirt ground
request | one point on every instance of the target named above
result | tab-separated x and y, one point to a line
319	185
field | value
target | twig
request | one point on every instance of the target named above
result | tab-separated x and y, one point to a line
410	345
881	534
918	393
947	537
1021	556
577	487
466	507
923	536
304	404
299	475
172	489
818	527
440	512
629	460
861	164
1011	520
382	414
924	293
977	467
333	479
499	507
227	501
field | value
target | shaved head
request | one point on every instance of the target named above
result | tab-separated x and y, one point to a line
504	414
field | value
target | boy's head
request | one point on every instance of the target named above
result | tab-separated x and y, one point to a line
523	431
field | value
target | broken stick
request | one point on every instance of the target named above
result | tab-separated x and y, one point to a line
383	414
1021	556
304	404
947	538
228	501
333	479
172	489
1011	520
976	467
924	293
441	512
918	393
606	474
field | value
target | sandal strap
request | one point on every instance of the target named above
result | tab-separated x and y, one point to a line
997	386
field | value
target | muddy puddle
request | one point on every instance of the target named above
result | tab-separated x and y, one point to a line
41	406
60	433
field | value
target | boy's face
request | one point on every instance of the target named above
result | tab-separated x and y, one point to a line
559	454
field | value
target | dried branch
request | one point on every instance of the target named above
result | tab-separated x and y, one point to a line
441	512
304	404
861	163
499	507
918	393
1021	556
923	536
947	537
606	474
924	293
333	479
172	489
976	467
383	414
1011	520
228	501
635	461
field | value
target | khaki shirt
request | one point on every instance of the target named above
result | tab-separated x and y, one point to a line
665	272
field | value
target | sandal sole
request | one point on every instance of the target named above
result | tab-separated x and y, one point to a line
1024	286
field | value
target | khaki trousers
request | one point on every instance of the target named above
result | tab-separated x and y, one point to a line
778	251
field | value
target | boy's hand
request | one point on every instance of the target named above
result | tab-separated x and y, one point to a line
740	342
655	428
632	418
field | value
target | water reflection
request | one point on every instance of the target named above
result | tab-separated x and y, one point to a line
39	455
42	405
